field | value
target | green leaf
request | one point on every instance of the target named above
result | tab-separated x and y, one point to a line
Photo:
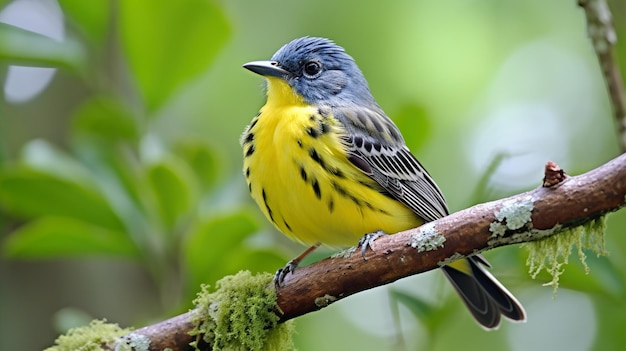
169	42
22	47
131	181
91	17
212	241
414	124
42	156
105	118
174	187
32	193
60	237
203	159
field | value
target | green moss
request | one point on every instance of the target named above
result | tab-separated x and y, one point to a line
551	253
88	338
241	315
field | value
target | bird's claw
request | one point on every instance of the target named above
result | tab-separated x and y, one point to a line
291	266
367	240
279	276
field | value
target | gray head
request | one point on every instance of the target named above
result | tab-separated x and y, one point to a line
318	70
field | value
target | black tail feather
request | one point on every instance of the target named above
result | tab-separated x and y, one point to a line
483	295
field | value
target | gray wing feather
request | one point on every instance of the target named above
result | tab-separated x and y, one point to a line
376	147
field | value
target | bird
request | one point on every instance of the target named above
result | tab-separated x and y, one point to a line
326	165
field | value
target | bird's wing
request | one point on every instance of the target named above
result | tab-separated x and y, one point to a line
376	147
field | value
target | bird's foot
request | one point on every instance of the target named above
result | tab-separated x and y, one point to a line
367	240
279	276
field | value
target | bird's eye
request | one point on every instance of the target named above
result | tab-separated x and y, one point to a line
312	68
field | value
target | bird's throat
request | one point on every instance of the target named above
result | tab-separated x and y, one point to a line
280	93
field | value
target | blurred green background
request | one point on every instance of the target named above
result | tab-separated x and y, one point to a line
120	182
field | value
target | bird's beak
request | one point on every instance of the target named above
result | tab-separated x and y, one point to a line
266	68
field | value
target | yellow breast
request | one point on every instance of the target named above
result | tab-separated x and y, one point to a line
298	173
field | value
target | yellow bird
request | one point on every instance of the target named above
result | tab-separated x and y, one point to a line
327	166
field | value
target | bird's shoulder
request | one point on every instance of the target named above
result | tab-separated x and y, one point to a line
370	122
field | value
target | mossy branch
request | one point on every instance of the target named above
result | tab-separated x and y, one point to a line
526	217
534	215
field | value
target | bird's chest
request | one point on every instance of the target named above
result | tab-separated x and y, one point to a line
293	161
298	172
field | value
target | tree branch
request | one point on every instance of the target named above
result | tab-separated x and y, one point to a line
552	210
602	35
545	211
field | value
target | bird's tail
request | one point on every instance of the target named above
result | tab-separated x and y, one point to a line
485	297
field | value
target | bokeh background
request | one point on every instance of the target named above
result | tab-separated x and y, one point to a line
120	182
